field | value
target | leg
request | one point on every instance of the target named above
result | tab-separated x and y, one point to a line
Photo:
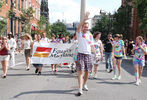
119	66
95	69
106	59
85	77
80	79
136	72
110	61
140	71
4	65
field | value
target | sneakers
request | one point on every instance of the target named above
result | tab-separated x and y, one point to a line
137	83
107	70
110	71
85	88
90	75
55	72
114	78
95	76
79	93
119	77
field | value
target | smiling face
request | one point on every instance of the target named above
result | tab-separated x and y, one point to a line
85	27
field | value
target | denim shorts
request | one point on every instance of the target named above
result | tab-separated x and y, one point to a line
138	62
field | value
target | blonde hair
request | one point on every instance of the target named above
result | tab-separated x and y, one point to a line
28	36
140	38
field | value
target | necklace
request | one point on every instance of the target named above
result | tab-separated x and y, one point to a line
89	40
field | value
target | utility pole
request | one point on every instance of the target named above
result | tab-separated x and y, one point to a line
83	9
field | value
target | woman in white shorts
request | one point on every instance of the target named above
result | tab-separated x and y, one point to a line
99	52
4	55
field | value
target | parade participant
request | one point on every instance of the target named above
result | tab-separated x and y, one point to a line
118	49
108	53
140	50
4	55
12	44
37	42
84	59
44	38
54	66
27	46
99	52
73	65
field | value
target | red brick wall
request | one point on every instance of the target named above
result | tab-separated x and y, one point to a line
6	7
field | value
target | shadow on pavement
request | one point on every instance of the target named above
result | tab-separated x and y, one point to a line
128	66
46	91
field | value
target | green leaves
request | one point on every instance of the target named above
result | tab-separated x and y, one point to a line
58	28
3	25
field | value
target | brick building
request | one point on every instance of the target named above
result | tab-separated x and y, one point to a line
134	23
14	25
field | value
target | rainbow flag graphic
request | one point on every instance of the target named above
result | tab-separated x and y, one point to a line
42	52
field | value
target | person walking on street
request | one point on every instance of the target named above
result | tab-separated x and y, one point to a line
84	59
27	46
12	44
119	50
4	55
140	50
44	38
37	66
108	53
99	52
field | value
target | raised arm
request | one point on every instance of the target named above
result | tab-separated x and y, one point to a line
82	22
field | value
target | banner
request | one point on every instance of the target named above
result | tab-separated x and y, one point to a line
52	53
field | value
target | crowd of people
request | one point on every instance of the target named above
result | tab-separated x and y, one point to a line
88	54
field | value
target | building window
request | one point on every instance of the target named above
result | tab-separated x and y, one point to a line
15	4
26	4
30	3
36	13
19	5
6	1
15	27
18	27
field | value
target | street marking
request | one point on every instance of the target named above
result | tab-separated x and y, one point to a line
20	63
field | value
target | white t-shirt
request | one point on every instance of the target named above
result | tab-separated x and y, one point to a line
97	45
27	44
84	42
45	40
12	43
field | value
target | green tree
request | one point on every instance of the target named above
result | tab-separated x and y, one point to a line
141	6
44	25
3	21
103	25
58	28
26	17
122	21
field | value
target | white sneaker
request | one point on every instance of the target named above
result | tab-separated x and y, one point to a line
114	78
137	83
107	70
85	88
119	77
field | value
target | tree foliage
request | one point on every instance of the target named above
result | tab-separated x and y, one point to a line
58	28
3	24
103	25
122	21
26	17
141	6
44	26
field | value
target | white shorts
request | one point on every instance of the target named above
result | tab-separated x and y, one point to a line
6	58
96	61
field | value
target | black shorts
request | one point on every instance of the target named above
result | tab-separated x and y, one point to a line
118	58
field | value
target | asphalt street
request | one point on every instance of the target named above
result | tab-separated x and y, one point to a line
25	85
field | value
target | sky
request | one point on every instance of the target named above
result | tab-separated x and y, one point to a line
69	10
